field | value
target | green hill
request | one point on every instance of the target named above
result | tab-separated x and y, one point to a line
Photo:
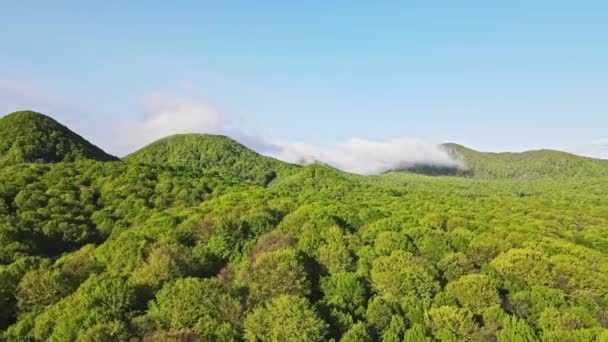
180	242
525	165
515	165
213	153
28	136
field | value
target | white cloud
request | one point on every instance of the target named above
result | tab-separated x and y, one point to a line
19	95
369	157
166	115
596	149
170	114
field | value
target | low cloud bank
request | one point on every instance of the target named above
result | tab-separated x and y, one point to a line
165	115
168	114
369	157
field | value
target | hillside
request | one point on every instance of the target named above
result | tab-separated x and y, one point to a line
213	153
522	165
181	243
28	136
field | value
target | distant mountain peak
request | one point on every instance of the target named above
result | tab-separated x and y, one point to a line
28	136
214	153
525	165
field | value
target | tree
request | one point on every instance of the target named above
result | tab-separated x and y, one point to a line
276	273
284	318
346	291
399	275
387	242
164	263
199	305
394	331
379	314
357	333
528	265
474	291
40	288
450	323
416	333
515	329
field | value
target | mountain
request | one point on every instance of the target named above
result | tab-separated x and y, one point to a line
27	136
145	251
524	165
214	153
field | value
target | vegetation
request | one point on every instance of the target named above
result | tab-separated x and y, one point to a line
30	137
214	153
524	165
153	250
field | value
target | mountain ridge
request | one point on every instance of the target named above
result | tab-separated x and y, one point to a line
524	165
28	136
213	152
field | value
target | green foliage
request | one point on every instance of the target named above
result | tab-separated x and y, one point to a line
474	291
357	333
417	333
100	300
199	305
190	239
525	165
450	323
40	288
345	291
527	265
394	331
213	153
379	314
400	275
275	273
514	329
284	318
28	136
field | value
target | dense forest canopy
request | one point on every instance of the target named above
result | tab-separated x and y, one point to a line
196	238
525	165
28	136
212	152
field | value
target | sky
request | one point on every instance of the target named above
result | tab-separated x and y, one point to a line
320	79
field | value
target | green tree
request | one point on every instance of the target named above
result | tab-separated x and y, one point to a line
400	275
474	291
284	318
450	323
515	329
40	288
357	333
199	305
276	273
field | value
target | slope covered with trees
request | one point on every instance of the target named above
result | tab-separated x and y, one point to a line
212	152
28	136
97	251
525	165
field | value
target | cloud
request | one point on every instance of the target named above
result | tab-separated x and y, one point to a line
369	157
166	114
19	95
596	149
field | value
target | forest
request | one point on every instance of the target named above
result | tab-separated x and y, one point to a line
198	238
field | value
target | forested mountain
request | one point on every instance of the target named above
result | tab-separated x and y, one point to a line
28	136
214	153
183	242
525	165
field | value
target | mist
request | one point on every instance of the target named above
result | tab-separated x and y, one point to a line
166	114
368	157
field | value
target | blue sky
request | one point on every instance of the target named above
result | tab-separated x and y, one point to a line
491	75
